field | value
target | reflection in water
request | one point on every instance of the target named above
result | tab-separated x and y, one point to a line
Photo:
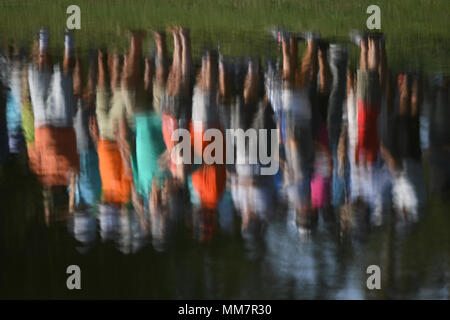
358	149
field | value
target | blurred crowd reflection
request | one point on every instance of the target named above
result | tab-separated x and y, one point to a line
96	130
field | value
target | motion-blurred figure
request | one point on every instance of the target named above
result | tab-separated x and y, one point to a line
369	177
293	106
53	155
439	135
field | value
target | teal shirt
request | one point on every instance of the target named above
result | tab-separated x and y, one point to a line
149	147
89	185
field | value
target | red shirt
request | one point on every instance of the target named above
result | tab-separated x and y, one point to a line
368	143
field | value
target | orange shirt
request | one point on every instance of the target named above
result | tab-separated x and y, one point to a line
209	181
116	185
53	154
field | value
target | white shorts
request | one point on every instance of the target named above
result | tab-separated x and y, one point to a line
297	102
51	96
204	107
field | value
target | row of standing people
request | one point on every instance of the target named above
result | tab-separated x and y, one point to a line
349	142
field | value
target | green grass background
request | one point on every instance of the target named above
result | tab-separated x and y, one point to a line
418	31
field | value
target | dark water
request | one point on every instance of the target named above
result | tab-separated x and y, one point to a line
363	178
